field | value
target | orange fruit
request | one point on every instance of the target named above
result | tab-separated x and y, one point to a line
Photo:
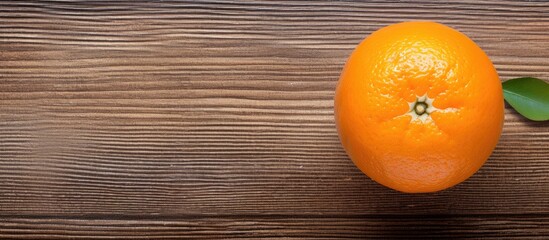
419	107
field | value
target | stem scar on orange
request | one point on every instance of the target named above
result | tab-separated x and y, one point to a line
419	107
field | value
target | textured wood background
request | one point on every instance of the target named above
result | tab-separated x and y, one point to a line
213	119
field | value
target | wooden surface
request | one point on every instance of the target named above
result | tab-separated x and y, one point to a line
214	119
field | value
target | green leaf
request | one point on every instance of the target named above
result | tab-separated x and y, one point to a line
529	96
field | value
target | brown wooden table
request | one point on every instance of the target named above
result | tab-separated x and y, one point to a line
214	119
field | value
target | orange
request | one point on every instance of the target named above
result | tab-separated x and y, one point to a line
419	107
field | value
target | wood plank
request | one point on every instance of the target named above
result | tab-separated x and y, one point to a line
225	107
279	227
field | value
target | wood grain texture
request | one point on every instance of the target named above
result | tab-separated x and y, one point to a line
215	118
277	227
